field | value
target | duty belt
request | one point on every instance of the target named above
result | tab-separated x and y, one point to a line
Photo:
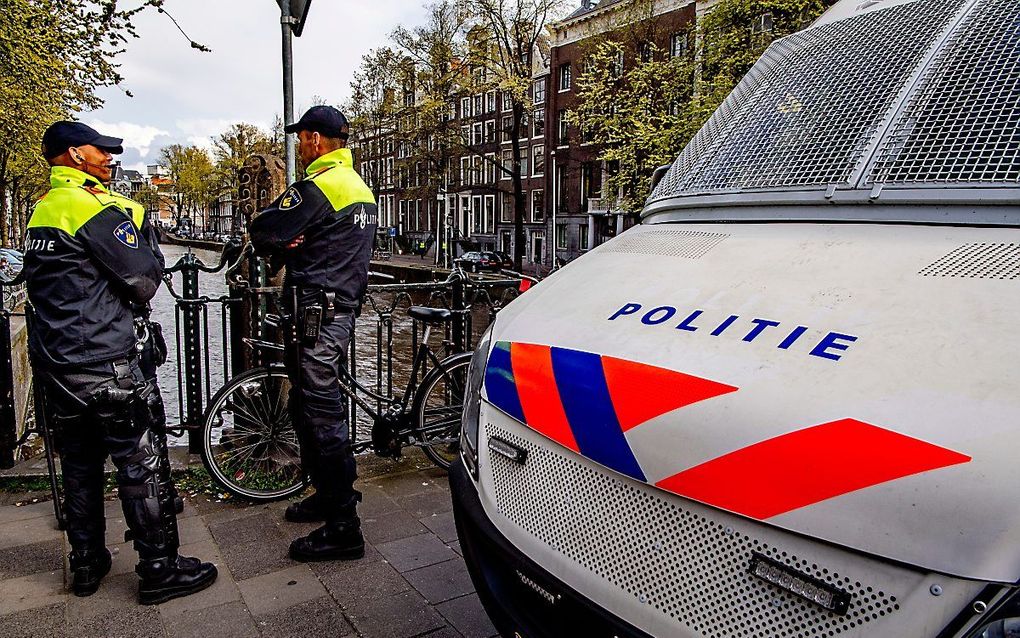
332	304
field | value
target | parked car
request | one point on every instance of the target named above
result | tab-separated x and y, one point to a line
505	260
478	261
786	403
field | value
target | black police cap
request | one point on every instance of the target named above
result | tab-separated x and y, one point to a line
62	135
324	120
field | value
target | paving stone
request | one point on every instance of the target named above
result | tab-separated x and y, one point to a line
391	526
410	483
31	592
398	616
229	620
134	622
256	558
363	580
375	501
47	556
115	593
313	619
224	590
426	503
414	552
124	558
12	513
280	589
28	531
467	616
443	632
442	581
239	531
442	525
32	623
193	530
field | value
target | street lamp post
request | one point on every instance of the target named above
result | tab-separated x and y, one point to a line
293	14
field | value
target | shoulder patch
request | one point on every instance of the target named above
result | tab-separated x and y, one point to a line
125	233
291	199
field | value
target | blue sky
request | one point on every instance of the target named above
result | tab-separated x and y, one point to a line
184	96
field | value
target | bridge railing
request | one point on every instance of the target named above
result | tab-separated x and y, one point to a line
381	349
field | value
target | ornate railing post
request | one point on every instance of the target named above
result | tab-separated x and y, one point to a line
8	419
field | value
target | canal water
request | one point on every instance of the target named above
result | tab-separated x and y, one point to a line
213	285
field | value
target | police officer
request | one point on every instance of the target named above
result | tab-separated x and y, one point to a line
92	264
321	229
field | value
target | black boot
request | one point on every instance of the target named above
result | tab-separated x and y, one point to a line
306	511
167	578
88	566
333	541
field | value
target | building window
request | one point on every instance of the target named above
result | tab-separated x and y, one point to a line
562	128
582	237
616	69
506	214
538	92
490	168
538	160
479	105
508	164
490	102
505	243
489	224
490	131
478	133
476	214
565	77
508	125
465	171
561	236
645	52
508	103
538	206
524	126
465	107
678	44
538	120
524	161
465	134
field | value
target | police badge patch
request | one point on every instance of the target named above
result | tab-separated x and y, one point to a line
125	234
291	199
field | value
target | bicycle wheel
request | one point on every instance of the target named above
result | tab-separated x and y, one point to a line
249	445
438	404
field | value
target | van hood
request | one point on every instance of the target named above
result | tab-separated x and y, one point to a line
853	383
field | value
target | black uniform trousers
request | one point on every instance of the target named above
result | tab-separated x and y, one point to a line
319	410
111	409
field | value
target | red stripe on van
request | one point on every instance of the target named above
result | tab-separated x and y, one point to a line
538	393
641	392
806	467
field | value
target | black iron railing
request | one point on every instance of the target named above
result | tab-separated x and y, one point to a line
381	348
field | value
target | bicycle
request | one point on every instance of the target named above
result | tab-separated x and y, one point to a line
250	447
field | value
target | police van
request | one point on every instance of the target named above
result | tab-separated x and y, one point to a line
788	402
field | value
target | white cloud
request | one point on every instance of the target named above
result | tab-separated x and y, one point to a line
136	136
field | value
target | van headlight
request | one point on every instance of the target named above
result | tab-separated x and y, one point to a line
1003	621
473	404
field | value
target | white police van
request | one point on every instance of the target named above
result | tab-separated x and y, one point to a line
787	403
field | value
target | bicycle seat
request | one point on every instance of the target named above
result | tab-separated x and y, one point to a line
429	315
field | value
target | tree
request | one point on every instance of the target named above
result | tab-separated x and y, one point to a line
232	150
503	37
643	116
193	177
54	55
372	106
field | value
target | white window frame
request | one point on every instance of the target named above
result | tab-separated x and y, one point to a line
564	77
536	151
541	196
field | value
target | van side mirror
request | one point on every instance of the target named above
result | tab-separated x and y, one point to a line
659	174
11	264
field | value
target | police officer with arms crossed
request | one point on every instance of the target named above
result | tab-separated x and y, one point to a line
322	229
92	264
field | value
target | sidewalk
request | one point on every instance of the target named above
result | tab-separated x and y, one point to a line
412	581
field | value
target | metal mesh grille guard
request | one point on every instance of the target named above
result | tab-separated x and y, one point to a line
689	568
880	97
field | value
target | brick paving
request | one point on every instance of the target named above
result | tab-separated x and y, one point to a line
412	581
